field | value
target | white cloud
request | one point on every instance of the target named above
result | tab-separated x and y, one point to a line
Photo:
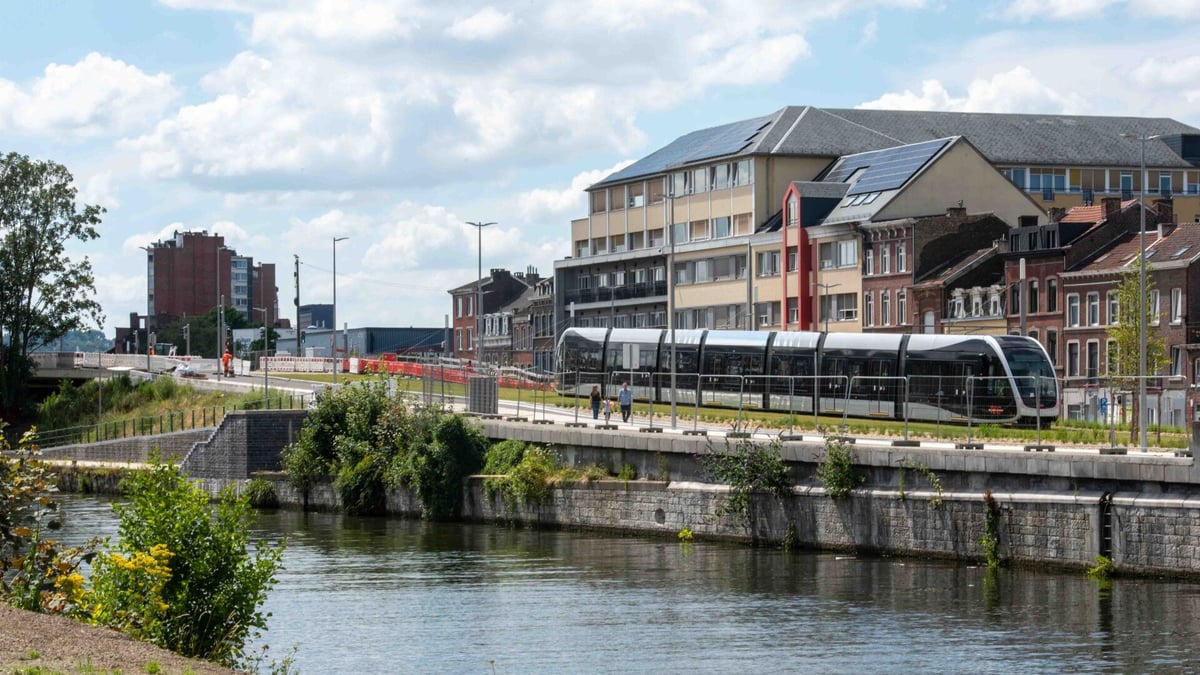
486	24
1153	72
1028	10
870	31
137	241
543	205
318	232
98	189
332	21
1017	90
93	97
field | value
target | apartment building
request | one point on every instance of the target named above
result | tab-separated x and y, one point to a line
713	203
189	273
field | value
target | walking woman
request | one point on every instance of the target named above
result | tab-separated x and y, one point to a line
595	397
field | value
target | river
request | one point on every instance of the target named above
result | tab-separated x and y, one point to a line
373	595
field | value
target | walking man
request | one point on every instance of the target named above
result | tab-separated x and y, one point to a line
625	399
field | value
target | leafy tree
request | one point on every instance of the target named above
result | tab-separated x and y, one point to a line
1123	368
183	575
203	330
43	292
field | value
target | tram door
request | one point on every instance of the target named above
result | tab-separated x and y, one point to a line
882	390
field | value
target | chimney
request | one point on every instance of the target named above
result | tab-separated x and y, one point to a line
1056	213
1027	221
1112	205
1165	208
957	214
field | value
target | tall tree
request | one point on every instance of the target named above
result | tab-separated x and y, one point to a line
1123	366
43	292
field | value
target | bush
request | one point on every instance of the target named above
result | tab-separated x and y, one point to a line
836	469
435	460
503	456
746	467
183	575
360	486
529	481
260	492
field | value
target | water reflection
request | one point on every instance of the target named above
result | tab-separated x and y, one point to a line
379	595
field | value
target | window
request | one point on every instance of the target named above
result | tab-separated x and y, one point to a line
1052	295
1033	296
902	307
1126	184
793	310
1014	293
901	257
869	261
1073	310
1052	346
885	308
792	258
768	263
1176	306
1093	309
1177	360
679	184
868	309
659	273
1093	359
1164	188
1114	305
885	259
721	227
835	254
1154	307
793	218
703	271
743	172
1052	180
679	233
720	176
1072	359
840	307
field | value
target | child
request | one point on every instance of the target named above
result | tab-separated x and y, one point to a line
608	408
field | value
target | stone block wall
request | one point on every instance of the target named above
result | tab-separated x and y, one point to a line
248	441
1155	534
135	449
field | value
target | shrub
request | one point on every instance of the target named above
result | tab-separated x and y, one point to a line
260	492
746	467
529	481
188	581
836	469
503	456
628	472
360	485
444	451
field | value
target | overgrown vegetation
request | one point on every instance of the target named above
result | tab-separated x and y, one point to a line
747	468
935	482
183	575
990	541
260	493
529	481
368	441
1103	570
836	471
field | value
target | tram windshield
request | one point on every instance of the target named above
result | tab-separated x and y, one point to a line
1033	374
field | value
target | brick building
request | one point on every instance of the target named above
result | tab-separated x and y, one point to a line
499	289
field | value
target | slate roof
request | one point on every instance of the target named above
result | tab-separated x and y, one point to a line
1180	247
954	269
1004	138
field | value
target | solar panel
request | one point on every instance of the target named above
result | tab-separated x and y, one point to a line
885	169
726	139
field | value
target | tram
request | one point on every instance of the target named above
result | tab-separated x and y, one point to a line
994	379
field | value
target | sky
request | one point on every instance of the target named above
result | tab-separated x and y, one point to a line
281	124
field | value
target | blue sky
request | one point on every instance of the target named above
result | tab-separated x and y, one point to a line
283	123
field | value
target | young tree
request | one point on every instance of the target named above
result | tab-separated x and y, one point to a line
43	292
1123	368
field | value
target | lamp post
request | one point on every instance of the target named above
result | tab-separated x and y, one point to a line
265	356
827	288
479	225
333	337
1142	138
220	314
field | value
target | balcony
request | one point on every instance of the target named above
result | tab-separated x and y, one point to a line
627	292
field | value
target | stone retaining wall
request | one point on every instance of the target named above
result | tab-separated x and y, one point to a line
135	449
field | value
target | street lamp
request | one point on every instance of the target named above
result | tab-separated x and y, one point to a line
1142	138
479	225
266	363
333	343
220	312
826	310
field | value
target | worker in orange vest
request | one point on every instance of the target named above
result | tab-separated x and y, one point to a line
226	359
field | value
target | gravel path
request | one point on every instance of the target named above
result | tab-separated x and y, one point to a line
56	644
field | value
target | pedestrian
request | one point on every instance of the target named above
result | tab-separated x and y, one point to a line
607	408
226	359
595	400
625	398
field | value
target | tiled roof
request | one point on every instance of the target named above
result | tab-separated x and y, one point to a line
1004	138
1091	214
953	269
1180	247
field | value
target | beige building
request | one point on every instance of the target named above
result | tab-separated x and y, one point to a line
712	199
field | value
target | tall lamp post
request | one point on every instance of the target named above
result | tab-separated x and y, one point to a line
479	225
1142	138
333	338
827	288
220	314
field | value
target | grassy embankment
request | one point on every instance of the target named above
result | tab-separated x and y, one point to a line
1064	432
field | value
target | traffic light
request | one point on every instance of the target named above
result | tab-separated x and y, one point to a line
301	337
